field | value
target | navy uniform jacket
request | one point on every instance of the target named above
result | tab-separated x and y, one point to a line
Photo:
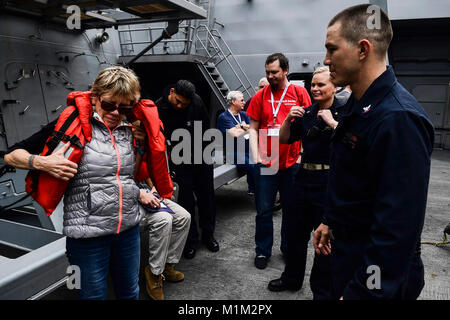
378	181
314	133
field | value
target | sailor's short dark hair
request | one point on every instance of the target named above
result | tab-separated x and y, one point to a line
185	88
284	61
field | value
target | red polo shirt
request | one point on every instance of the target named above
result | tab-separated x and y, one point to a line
260	109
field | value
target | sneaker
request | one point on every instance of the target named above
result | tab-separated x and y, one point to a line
172	275
153	284
261	262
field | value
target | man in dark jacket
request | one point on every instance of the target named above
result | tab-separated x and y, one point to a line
184	116
380	167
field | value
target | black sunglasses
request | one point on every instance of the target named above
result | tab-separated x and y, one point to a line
112	106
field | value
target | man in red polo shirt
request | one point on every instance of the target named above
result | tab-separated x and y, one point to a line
275	163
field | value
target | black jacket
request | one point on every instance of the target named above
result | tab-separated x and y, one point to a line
193	116
378	182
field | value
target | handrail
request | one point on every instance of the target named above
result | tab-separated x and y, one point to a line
238	64
218	49
185	30
209	40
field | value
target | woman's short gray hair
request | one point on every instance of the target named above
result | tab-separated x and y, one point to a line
233	95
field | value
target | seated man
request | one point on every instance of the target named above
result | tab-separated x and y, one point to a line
168	226
235	123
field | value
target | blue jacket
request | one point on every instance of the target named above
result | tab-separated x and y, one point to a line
378	182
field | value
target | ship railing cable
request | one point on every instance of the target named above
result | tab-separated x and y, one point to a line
444	238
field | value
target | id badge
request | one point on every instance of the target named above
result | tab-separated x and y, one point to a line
273	130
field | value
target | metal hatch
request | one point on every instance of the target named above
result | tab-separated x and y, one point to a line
104	14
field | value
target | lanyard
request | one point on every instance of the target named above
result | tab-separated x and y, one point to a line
239	115
275	112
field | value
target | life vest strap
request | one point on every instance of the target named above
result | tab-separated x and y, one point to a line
59	135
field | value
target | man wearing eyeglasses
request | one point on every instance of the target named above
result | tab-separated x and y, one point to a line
181	109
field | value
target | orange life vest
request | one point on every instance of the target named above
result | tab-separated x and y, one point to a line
74	125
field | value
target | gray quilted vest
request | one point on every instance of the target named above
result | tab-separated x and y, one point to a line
102	198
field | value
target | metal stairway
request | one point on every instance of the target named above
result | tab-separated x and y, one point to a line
215	81
199	39
210	43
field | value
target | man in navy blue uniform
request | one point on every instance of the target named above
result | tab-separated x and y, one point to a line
380	167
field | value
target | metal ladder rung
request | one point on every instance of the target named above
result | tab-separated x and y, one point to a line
223	59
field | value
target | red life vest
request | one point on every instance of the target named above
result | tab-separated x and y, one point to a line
154	162
44	188
74	125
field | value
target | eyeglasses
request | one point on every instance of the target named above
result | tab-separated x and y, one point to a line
112	106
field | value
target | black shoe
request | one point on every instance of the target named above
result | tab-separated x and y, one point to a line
447	229
280	285
189	252
261	262
277	206
211	243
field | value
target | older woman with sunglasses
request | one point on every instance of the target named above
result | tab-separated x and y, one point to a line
101	213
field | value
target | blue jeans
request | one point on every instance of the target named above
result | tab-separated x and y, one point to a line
266	188
94	256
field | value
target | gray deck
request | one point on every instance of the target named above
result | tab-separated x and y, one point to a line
230	273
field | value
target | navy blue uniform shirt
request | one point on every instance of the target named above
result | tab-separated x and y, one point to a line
227	121
314	133
378	181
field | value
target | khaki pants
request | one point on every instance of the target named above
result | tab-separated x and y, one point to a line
167	235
